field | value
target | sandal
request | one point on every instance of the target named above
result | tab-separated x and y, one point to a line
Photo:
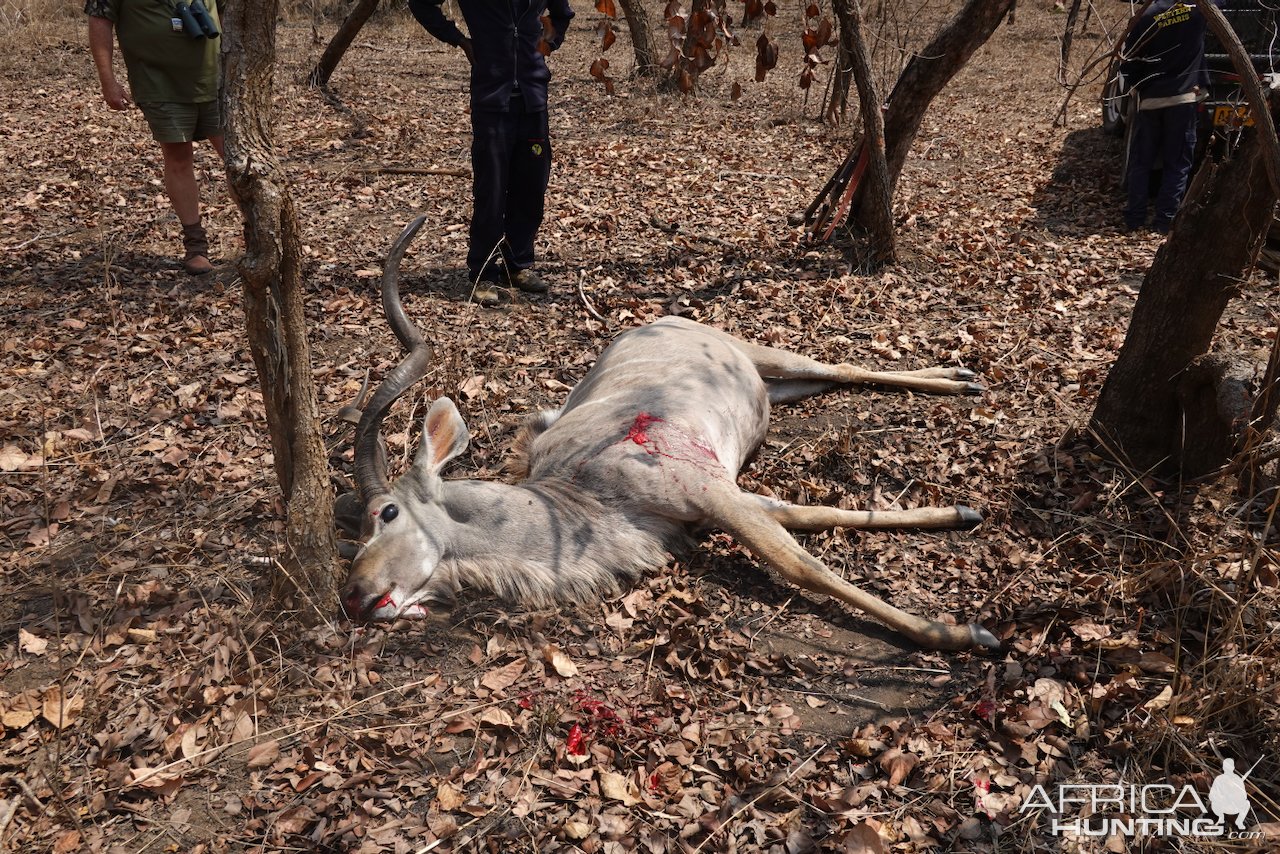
196	243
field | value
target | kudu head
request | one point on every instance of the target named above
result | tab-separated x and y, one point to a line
393	571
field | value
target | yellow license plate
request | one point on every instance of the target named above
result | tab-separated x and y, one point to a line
1235	117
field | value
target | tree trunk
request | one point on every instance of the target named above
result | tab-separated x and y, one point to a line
273	304
838	99
1215	237
877	193
643	44
342	39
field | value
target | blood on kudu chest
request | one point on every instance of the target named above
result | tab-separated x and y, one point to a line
669	442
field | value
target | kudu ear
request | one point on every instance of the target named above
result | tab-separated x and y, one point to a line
444	436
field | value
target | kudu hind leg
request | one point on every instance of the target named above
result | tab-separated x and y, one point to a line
796	517
791	376
746	519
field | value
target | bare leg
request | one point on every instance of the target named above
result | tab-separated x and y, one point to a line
748	520
180	180
819	518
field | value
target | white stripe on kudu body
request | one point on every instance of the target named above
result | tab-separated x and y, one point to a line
644	454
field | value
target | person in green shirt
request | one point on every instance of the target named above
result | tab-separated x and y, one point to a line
173	78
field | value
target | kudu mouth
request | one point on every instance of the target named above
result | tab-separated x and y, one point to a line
361	606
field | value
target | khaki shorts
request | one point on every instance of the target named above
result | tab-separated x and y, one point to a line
172	122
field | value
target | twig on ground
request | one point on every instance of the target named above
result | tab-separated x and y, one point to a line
24	244
26	790
432	846
8	816
749	804
417	170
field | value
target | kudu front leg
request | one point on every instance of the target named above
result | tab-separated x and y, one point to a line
796	517
755	527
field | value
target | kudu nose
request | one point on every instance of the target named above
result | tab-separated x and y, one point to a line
353	599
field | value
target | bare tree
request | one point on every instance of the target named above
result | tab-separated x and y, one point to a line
273	304
925	75
838	95
643	43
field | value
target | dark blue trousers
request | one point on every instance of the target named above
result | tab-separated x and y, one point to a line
1166	137
511	167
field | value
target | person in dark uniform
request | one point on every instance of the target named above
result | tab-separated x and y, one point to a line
510	146
1164	57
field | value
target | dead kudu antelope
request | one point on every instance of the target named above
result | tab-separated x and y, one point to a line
643	454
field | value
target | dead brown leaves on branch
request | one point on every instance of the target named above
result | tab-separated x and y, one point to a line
697	38
818	33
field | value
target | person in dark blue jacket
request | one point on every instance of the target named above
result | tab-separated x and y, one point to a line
510	146
1164	57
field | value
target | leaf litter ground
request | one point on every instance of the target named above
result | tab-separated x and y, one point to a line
154	699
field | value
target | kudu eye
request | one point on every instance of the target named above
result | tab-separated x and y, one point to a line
389	513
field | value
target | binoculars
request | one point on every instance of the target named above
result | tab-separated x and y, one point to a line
196	20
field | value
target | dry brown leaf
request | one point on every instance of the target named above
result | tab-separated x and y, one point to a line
13	458
559	661
501	678
33	644
472	387
163	781
141	635
243	727
862	838
60	710
1160	701
898	764
1156	662
190	745
17	718
263	754
619	788
577	830
495	716
449	797
67	842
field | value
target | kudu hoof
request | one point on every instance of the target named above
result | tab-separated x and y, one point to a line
982	637
969	518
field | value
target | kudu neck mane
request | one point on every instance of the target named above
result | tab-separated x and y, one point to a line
543	542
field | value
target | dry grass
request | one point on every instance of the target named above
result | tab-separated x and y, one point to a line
19	17
26	26
1217	586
